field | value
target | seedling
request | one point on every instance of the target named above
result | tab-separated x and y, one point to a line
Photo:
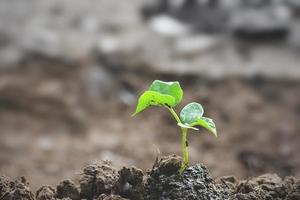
169	95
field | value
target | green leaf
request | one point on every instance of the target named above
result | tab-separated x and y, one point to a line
152	98
191	113
186	126
206	123
168	88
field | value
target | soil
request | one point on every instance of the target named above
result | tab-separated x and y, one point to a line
67	103
51	125
163	182
194	183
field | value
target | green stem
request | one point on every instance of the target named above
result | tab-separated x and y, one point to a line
172	111
185	156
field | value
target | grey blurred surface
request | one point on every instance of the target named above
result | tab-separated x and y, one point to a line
174	38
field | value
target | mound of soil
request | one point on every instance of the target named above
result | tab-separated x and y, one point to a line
102	182
195	182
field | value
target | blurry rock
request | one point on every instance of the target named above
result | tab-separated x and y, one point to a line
109	44
204	16
194	44
294	37
268	20
68	46
155	8
294	5
168	26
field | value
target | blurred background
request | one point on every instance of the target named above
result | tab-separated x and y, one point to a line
71	72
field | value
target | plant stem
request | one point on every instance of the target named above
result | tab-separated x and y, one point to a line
185	155
172	111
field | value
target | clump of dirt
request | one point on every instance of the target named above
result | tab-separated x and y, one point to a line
267	186
67	189
110	197
165	182
46	193
130	183
167	165
97	179
15	189
295	192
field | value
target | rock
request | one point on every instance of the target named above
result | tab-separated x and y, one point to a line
195	44
193	15
260	20
168	26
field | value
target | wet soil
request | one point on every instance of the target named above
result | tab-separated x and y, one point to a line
163	182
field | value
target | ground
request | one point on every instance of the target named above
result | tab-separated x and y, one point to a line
51	127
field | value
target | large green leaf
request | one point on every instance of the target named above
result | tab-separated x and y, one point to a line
168	88
152	98
191	112
192	115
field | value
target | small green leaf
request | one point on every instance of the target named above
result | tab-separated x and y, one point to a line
168	88
191	113
186	126
206	123
152	98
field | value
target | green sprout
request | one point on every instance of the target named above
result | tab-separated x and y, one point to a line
169	95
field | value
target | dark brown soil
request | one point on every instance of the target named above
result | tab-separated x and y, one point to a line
163	182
